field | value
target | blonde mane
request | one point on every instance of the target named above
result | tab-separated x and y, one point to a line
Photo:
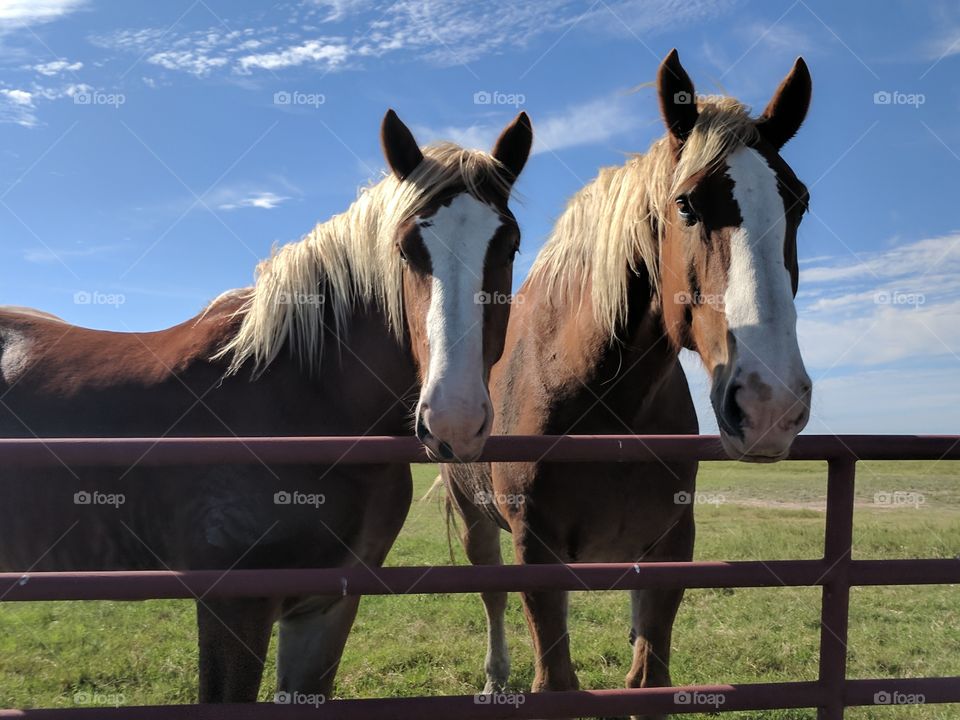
346	262
616	222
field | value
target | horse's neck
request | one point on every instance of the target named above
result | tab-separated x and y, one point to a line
584	378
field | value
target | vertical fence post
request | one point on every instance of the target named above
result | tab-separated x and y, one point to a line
835	607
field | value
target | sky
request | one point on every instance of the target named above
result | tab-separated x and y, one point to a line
151	153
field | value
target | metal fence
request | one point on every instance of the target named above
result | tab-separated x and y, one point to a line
836	572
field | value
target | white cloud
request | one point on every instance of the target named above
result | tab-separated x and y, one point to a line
187	61
261	200
328	54
56	67
21	13
587	123
886	306
450	33
17	106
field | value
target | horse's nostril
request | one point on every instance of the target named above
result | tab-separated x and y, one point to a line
445	451
422	433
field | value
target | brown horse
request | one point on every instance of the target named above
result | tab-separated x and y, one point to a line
691	245
338	336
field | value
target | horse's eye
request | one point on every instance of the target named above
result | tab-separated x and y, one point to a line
687	213
403	253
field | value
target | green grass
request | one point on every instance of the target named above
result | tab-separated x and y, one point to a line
143	653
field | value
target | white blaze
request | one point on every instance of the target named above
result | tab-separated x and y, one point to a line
759	303
457	237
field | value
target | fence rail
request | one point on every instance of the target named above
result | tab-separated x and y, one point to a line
835	572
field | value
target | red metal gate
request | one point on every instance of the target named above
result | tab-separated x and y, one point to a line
835	572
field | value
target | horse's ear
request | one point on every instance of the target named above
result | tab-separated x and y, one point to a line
678	102
512	148
399	146
788	106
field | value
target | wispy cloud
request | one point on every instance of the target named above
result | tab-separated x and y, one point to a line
450	33
56	67
17	106
587	123
261	200
887	306
21	13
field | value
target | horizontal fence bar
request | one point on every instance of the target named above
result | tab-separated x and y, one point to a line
902	691
687	699
565	704
190	584
143	585
152	452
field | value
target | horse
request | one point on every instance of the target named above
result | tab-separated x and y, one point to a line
339	334
691	245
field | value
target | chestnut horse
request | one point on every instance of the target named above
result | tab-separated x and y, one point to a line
691	245
340	333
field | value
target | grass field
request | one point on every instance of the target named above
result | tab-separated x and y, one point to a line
142	653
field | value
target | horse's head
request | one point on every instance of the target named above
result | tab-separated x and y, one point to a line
457	255
728	264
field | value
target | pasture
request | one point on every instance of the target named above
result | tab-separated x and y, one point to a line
62	654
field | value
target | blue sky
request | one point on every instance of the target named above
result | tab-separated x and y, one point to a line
151	152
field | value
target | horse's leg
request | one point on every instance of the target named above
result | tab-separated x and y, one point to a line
311	643
546	614
481	541
234	636
654	611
